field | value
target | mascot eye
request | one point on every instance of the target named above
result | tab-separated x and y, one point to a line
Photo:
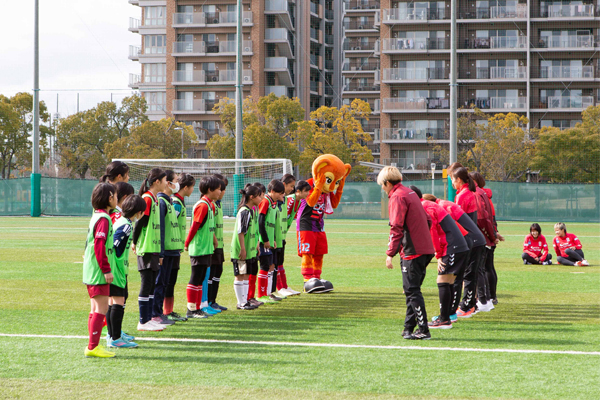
328	181
338	182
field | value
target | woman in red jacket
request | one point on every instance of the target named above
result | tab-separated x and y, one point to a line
535	248
568	247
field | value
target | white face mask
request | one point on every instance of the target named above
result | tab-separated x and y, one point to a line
175	187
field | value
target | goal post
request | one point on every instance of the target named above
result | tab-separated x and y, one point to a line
252	170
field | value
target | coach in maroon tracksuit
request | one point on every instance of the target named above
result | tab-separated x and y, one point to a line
409	236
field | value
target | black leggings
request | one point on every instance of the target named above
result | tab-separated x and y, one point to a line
490	271
170	292
214	280
198	274
148	281
572	257
532	260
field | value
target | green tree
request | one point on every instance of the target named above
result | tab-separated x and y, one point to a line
336	131
571	155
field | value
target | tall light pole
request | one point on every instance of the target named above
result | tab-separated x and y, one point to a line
453	95
238	178
36	207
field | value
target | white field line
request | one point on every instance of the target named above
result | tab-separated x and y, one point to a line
327	345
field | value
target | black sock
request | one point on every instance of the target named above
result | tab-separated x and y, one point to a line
446	294
116	320
108	322
274	283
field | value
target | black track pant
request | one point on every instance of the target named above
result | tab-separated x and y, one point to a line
413	274
469	278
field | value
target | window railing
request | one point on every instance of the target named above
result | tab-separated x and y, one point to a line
403	134
567	10
402	74
569	102
579	41
430	103
508	72
189	105
189	47
586	71
358	45
369	66
502	103
415	44
396	14
360	24
189	76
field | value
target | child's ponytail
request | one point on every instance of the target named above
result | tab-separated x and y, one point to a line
155	174
248	192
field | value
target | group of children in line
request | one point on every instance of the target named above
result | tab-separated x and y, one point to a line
153	224
566	245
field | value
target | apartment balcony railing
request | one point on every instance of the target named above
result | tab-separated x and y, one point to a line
369	66
194	105
314	33
329	64
500	103
134	24
328	90
329	14
276	63
567	10
277	90
276	34
314	86
360	87
361	5
576	102
397	44
562	42
230	75
370	126
410	163
406	74
404	134
400	104
518	11
135	52
508	72
496	42
360	24
586	71
393	15
198	76
215	47
135	80
189	18
329	39
358	45
189	47
314	60
314	8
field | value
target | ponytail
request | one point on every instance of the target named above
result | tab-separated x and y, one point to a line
155	174
247	192
462	174
115	169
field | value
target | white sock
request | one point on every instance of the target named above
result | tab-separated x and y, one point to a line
238	287
270	284
246	288
191	306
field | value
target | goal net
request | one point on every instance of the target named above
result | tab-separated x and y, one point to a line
251	170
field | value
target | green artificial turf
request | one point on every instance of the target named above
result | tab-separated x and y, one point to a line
540	308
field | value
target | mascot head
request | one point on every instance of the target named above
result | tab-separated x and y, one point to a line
333	169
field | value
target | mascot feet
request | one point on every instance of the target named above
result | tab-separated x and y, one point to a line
314	285
327	287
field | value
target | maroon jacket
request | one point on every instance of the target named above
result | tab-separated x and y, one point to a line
485	219
409	232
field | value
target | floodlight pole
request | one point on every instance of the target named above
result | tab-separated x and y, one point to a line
238	178
453	96
35	162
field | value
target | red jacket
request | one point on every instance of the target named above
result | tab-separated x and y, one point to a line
409	232
467	201
445	233
485	220
536	247
561	244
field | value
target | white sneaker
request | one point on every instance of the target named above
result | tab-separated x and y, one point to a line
585	263
157	321
292	291
485	307
285	292
149	326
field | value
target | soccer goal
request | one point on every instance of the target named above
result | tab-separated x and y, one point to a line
251	170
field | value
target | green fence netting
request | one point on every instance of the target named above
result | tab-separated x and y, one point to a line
361	200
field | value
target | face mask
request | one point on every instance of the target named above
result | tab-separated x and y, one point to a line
175	187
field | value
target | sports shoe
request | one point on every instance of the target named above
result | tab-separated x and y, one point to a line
218	307
420	335
548	262
407	333
255	302
284	293
120	343
585	263
292	291
150	326
266	300
453	318
487	307
273	297
99	351
437	324
494	301
279	294
578	264
209	311
199	314
126	337
218	310
163	320
465	314
246	306
173	316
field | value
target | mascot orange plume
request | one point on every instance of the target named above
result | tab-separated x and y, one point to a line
329	176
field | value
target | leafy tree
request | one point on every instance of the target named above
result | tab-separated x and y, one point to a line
152	139
221	146
571	155
336	131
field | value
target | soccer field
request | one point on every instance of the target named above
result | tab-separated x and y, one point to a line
541	342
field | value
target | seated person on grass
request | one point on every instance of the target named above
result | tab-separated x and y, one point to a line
568	247
535	248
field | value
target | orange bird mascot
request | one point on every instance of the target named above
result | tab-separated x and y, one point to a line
329	175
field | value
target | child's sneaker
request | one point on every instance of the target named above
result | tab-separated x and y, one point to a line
266	300
246	306
160	321
293	292
485	307
420	335
279	294
218	307
210	311
465	314
437	324
585	263
99	352
218	310
127	337
199	314
150	326
273	297
255	302
173	316
120	343
453	318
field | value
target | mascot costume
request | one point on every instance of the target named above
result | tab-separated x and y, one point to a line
329	175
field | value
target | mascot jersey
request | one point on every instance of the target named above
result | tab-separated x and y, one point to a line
311	218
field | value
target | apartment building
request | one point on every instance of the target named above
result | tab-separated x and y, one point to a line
188	56
535	58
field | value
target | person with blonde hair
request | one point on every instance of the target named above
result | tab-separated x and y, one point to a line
568	247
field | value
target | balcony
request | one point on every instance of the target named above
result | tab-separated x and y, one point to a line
315	33
496	42
395	15
329	39
359	45
189	48
410	164
314	86
202	19
135	80
199	48
370	126
391	75
279	65
570	72
567	42
361	87
277	90
189	77
329	14
134	25
358	67
314	8
568	103
328	90
329	64
134	52
279	8
397	104
421	45
360	25
401	135
360	5
494	12
195	106
500	103
508	72
567	11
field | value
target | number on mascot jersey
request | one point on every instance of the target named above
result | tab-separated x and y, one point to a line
305	247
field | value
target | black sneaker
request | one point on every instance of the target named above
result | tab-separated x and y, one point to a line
273	297
438	324
407	333
246	306
176	317
255	302
196	314
218	306
420	335
494	301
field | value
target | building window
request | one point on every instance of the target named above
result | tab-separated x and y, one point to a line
155	16
155	73
157	101
155	44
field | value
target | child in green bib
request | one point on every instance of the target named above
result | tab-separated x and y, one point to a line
132	210
253	263
98	265
218	258
186	188
146	244
201	242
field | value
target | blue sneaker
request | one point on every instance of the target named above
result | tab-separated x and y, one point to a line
210	310
218	307
453	318
126	337
218	310
120	343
